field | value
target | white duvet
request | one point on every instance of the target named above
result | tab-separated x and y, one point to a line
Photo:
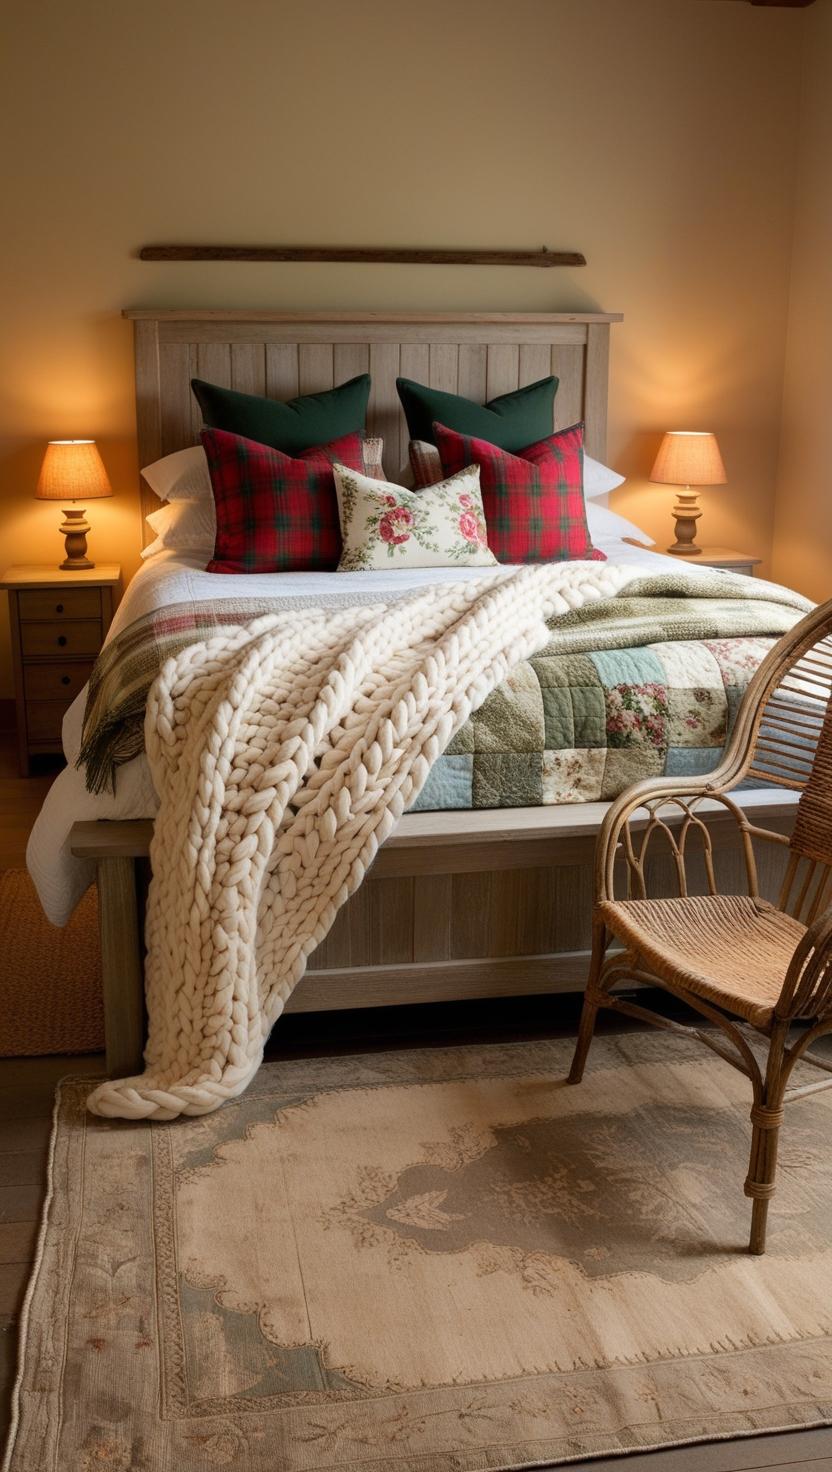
60	878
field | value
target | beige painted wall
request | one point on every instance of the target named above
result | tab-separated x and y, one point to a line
655	135
803	552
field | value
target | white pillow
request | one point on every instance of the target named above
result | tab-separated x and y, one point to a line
184	526
607	526
599	480
384	525
184	476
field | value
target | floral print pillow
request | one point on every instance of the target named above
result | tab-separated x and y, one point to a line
384	525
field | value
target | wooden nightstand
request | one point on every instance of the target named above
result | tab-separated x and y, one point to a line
722	557
58	621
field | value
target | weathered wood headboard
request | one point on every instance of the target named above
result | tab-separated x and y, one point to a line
282	354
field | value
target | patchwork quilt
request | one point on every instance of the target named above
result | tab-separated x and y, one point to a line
646	683
570	728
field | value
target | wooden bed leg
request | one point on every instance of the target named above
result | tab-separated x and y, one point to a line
121	965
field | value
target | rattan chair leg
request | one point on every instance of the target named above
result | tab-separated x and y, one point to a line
593	998
766	1119
760	1184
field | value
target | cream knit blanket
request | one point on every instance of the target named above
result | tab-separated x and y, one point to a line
283	754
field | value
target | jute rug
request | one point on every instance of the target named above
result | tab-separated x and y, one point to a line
50	980
433	1261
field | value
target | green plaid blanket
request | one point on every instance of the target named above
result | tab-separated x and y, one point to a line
646	683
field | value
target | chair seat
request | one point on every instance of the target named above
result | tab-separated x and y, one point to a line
728	949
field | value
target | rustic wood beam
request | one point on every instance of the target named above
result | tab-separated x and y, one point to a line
362	255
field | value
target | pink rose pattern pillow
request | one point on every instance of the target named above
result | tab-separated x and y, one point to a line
384	525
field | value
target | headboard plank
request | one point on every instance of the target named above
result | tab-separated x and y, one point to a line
567	364
383	416
148	397
535	361
321	332
316	367
283	354
213	362
443	369
176	399
281	370
248	367
350	359
596	379
502	369
472	370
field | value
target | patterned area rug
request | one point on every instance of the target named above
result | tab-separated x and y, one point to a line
50	980
434	1261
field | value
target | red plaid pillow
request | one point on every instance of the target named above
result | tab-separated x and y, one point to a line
276	513
534	502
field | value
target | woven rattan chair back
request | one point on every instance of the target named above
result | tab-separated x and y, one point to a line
781	974
791	747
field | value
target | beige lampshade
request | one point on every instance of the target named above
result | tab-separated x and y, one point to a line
689	458
72	470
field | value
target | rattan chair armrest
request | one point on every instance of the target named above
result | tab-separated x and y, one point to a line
652	794
807	989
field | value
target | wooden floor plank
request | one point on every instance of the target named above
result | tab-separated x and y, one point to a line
23	1168
769	1453
18	1241
24	1134
27	1085
8	1366
14	1277
45	1073
21	1203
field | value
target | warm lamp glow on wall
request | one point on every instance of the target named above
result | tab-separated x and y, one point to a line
688	458
73	470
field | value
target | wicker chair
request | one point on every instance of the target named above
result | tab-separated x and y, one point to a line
736	959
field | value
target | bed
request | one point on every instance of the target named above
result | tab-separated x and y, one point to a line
459	904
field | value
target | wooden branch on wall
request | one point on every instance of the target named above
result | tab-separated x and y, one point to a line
360	255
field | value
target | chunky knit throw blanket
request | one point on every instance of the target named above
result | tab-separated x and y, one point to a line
284	753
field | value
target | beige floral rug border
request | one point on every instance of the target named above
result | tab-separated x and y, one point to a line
109	1374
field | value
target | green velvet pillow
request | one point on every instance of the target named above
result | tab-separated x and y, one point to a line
293	427
511	421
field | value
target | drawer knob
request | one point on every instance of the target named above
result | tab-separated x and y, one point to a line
65	680
59	608
62	639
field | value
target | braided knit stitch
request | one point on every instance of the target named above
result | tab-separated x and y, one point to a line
283	754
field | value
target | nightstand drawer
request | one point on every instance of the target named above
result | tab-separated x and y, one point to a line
44	719
59	621
57	603
79	637
56	681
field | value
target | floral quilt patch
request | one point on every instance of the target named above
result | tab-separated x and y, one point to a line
384	525
581	727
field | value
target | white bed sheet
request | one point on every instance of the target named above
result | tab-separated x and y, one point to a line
167	578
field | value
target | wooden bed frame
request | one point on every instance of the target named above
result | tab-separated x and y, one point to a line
458	904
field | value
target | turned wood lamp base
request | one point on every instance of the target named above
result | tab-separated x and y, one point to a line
687	512
73	471
688	458
74	528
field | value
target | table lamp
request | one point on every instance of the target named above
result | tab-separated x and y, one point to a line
688	458
73	470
